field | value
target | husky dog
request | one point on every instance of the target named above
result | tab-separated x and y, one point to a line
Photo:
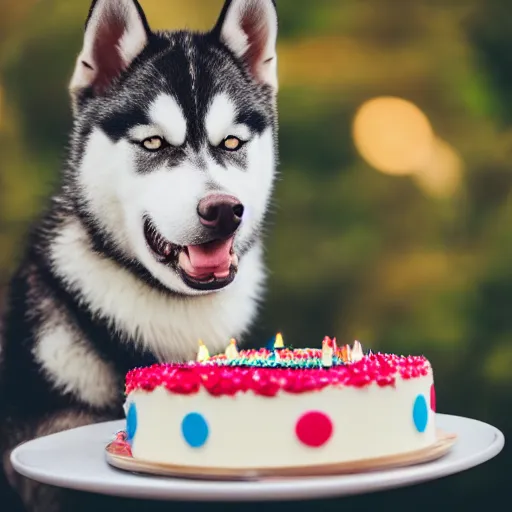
153	239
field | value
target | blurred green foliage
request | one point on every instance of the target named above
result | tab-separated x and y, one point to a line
351	252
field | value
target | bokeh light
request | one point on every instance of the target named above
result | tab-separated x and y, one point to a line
442	174
393	135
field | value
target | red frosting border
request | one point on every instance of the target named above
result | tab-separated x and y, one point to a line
184	379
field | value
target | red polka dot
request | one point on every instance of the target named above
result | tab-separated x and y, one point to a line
433	398
314	428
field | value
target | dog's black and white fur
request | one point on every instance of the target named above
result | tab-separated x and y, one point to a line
162	122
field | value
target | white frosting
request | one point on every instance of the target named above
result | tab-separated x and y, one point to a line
252	431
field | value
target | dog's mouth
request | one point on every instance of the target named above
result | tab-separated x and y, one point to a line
209	266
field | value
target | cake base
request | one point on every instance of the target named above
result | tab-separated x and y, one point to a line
118	455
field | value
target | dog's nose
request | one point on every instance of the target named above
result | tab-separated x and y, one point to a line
220	213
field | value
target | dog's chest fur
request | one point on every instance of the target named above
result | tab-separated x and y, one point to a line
89	319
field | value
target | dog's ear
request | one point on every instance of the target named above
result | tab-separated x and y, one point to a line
116	31
249	29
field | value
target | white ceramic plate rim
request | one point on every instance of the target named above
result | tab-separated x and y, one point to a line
89	443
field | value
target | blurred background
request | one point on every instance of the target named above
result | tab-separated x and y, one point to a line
392	220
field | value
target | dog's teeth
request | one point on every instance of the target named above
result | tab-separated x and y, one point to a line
182	259
167	249
234	260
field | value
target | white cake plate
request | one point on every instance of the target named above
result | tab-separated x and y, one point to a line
75	459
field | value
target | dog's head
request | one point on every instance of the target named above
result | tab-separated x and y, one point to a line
173	152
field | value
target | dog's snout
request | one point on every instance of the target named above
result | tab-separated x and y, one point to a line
222	214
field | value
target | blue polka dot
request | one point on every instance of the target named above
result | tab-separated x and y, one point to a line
194	429
131	422
420	413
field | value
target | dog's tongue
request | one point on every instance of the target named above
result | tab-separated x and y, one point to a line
213	257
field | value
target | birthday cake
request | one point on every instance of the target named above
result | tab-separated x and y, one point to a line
280	408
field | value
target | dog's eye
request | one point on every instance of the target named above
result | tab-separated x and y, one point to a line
153	143
231	143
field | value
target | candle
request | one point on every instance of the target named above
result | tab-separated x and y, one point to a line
231	350
327	352
278	343
202	353
334	346
357	352
344	353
